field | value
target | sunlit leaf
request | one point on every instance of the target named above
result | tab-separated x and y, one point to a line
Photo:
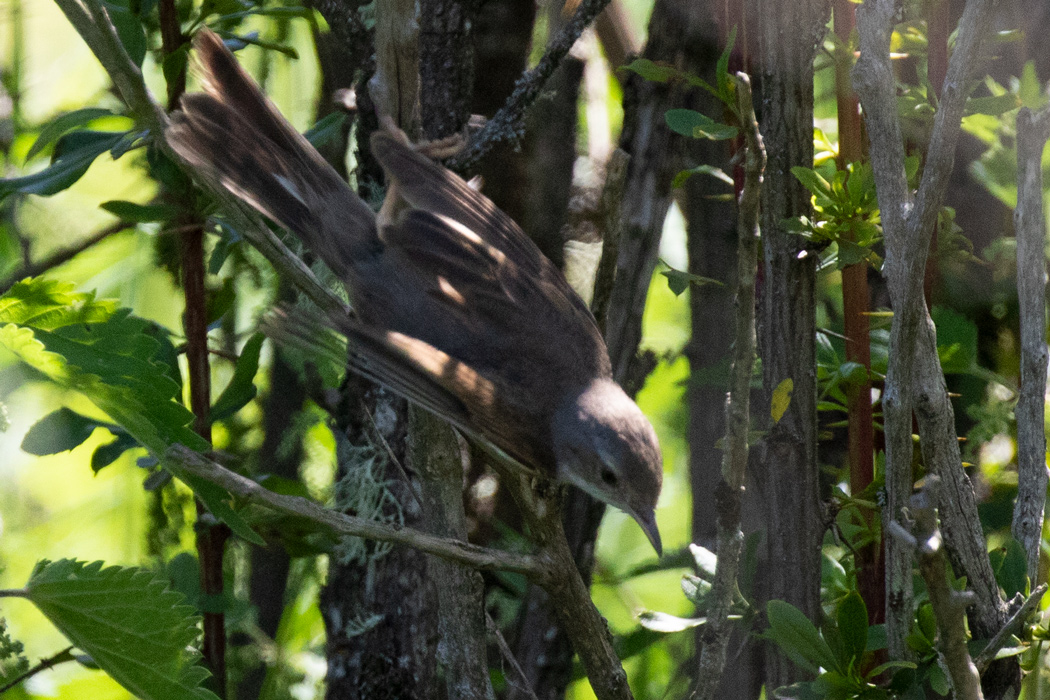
128	621
662	622
60	125
74	154
781	399
107	355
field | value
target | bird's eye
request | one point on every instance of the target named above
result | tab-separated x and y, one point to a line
609	476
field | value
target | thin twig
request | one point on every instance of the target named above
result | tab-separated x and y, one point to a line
734	463
45	664
1012	626
508	124
533	567
63	255
508	655
949	605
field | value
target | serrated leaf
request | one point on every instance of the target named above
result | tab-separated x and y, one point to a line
74	154
59	431
107	355
63	123
140	213
798	637
691	123
662	622
241	388
128	621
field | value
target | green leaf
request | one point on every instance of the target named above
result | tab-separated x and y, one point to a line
174	64
956	340
722	69
851	616
63	123
798	637
241	388
678	281
815	183
1030	88
105	455
59	431
131	32
74	154
326	130
236	42
926	622
140	213
691	123
656	72
717	173
108	355
662	622
995	106
1012	574
128	621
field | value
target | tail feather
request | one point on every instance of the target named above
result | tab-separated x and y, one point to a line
238	141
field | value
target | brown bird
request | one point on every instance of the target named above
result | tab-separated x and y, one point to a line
457	309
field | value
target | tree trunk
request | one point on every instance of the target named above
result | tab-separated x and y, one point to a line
789	34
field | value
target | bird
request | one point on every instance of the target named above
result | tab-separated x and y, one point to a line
455	308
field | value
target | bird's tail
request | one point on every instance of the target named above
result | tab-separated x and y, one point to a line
238	141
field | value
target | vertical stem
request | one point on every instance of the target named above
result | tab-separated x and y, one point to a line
855	302
17	61
937	29
211	537
1030	229
738	416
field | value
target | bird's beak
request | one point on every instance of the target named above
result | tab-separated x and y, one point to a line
647	519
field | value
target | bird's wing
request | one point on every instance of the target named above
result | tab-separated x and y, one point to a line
410	368
488	311
428	186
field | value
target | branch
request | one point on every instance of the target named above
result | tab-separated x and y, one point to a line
1033	130
508	655
533	567
508	124
914	373
62	255
45	664
92	23
1012	626
738	417
949	606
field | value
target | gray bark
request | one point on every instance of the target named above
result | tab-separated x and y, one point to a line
787	473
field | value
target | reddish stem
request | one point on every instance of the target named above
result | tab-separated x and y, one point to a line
855	302
211	538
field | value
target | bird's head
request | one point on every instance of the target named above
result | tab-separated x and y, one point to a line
605	445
